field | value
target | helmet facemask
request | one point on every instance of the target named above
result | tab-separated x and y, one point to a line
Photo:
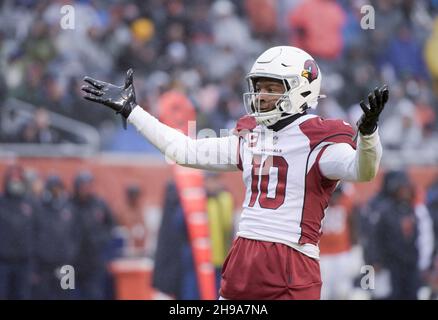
283	107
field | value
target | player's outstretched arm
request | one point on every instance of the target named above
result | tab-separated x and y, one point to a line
341	161
208	154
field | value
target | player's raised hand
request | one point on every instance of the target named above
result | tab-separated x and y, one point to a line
119	98
367	123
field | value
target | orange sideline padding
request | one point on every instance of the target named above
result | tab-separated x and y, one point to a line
190	186
177	111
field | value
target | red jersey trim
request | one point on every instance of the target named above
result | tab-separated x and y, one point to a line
239	162
316	201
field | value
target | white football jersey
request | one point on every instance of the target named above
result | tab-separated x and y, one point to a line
286	194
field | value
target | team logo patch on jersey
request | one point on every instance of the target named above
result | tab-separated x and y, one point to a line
310	71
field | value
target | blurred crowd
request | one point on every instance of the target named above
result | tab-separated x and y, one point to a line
204	48
385	248
46	224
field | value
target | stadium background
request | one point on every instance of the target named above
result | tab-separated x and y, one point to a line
202	49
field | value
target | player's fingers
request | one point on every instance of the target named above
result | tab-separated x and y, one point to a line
91	90
95	83
364	107
129	77
128	92
94	98
372	101
385	94
378	95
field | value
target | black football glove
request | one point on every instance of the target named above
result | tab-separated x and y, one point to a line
119	98
367	123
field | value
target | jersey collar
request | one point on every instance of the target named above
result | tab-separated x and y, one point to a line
285	122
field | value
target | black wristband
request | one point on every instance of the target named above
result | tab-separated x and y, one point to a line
127	109
366	130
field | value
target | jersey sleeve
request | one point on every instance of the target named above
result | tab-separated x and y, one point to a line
341	161
240	154
217	154
320	132
243	126
342	157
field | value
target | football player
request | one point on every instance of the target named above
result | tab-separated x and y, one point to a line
291	162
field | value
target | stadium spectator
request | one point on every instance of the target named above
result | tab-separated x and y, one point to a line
34	185
226	22
430	55
432	203
433	279
132	217
37	129
370	215
324	38
336	242
174	271
3	87
57	239
263	25
96	223
405	54
402	131
220	210
397	235
17	237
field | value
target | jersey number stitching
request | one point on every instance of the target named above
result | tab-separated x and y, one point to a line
280	190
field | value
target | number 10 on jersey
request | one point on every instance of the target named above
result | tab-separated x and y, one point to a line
260	175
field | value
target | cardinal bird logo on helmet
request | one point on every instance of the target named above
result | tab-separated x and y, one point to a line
310	71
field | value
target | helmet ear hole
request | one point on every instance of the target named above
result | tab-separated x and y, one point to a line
305	93
284	105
